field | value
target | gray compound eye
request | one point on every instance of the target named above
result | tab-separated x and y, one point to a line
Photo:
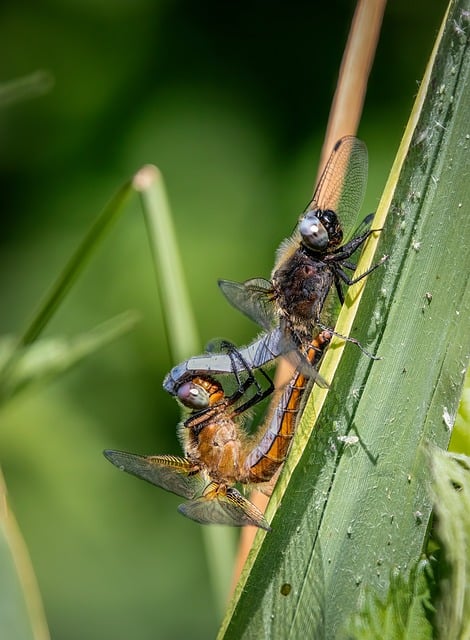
314	234
193	396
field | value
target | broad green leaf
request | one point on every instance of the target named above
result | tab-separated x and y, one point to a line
353	504
451	489
49	357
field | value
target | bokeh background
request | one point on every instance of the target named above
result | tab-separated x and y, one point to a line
230	100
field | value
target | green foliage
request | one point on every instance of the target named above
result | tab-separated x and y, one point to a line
451	489
433	602
404	614
76	264
45	359
23	88
180	324
21	613
24	363
460	440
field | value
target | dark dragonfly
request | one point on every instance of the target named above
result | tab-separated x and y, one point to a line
314	258
218	450
290	306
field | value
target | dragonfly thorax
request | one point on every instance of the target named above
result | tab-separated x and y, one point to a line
301	285
217	448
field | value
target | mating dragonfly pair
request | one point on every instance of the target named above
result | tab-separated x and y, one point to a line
218	451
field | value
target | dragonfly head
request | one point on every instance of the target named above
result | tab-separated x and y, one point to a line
320	230
199	393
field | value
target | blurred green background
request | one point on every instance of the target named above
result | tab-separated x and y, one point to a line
230	100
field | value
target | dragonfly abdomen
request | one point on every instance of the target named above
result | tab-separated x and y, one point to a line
271	451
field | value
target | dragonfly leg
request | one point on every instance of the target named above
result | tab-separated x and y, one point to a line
251	380
349	281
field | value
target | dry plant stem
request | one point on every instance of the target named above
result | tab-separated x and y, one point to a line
344	118
354	73
247	536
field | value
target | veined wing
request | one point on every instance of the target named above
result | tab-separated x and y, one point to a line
342	185
223	505
363	226
254	298
177	475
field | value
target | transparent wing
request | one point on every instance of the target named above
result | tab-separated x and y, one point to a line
221	505
254	298
342	185
177	475
264	349
363	226
290	350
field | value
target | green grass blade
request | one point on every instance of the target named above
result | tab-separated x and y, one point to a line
50	357
26	87
21	613
183	339
75	266
353	503
179	319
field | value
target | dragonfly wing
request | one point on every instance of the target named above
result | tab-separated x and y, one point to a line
264	349
299	362
342	185
254	298
363	226
177	475
221	505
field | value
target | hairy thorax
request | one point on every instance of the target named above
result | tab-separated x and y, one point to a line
300	286
217	447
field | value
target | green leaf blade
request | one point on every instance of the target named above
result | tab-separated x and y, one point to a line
21	612
50	357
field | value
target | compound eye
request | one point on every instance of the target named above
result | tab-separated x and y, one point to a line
313	233
193	396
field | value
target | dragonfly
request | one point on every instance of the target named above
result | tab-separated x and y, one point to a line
290	306
218	451
314	258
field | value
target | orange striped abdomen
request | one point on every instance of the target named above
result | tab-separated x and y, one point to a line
271	451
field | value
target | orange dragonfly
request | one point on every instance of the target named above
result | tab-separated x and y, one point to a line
313	259
218	452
